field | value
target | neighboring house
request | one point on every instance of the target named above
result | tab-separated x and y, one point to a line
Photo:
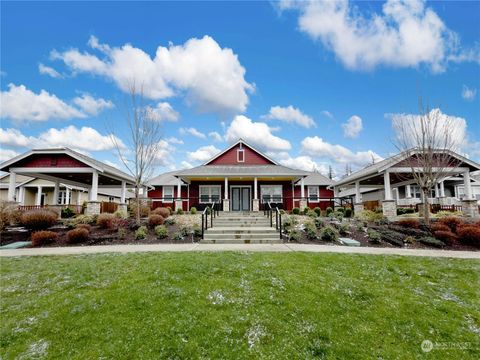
240	178
390	184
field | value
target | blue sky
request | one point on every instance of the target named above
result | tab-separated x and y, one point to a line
311	84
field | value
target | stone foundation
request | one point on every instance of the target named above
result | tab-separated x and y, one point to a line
255	205
178	204
470	208
93	208
226	204
389	208
122	207
303	205
357	208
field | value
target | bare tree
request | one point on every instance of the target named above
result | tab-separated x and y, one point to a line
143	143
427	140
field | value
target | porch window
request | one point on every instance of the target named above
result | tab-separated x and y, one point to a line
313	194
209	193
62	197
272	193
167	194
415	192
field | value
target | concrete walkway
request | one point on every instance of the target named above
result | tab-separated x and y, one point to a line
75	250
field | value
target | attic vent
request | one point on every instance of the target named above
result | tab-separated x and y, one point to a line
240	155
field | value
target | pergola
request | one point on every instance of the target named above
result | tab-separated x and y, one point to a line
396	171
63	165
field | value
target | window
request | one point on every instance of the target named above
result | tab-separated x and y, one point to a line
271	193
313	194
63	199
111	199
240	155
167	194
209	193
415	192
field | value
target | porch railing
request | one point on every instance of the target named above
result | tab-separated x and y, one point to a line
210	211
77	209
268	211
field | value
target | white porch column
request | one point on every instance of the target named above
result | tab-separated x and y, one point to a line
78	197
225	201
55	193
67	196
397	194
255	190
437	191
124	192
11	186
93	193
225	190
442	189
408	193
357	192
21	195
178	198
302	188
467	185
255	201
38	199
388	189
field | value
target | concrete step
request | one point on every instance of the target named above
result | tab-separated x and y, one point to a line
241	241
244	221
247	225
273	236
241	217
241	230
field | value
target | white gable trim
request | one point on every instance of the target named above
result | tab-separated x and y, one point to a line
242	142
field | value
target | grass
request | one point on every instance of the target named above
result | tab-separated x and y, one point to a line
239	305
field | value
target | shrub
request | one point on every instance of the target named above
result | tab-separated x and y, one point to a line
76	236
84	226
344	229
144	209
122	233
340	209
178	236
409	223
311	231
431	241
106	221
319	223
84	219
169	221
120	214
294	235
154	220
163	211
439	227
370	216
40	238
311	214
197	231
296	211
193	210
38	219
67	213
348	213
393	237
306	209
329	210
318	211
161	231
469	234
141	233
409	240
9	214
404	211
179	211
374	236
443	213
328	233
447	237
451	221
338	215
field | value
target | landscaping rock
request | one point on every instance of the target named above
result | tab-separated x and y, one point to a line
349	242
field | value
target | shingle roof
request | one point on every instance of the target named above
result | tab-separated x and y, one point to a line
244	170
167	178
317	179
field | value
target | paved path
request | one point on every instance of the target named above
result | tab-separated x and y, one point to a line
75	250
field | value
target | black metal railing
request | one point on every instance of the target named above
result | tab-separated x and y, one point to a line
268	211
211	211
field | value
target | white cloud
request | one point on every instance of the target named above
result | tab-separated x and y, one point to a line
164	154
290	115
186	165
211	77
162	112
468	94
353	127
19	103
327	113
13	137
7	154
408	127
215	136
92	106
203	154
258	134
174	140
192	131
47	70
318	148
405	34
304	162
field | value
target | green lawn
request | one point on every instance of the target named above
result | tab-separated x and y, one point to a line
239	305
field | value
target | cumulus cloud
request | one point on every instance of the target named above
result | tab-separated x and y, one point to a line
186	165
7	154
47	70
192	131
19	103
92	106
319	148
14	138
215	136
163	111
258	134
211	77
405	34
174	140
327	114
304	162
353	127
468	94
203	153
164	154
290	115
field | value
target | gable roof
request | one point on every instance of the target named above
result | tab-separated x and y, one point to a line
316	179
165	179
243	143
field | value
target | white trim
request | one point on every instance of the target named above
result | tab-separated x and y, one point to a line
209	193
318	193
163	193
243	155
270	186
452	170
53	170
240	141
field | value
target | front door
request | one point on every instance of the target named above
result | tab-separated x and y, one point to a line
240	198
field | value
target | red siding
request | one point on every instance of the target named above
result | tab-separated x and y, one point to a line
50	160
251	157
324	195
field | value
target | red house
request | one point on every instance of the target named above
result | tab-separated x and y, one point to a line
240	178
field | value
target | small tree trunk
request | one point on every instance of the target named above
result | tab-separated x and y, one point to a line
137	200
426	207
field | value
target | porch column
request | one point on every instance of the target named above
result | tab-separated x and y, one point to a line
55	193
442	189
469	204
303	201
78	197
397	194
67	196
255	202
11	186
437	191
408	193
358	206
93	205
178	199
38	199
467	185
389	206
124	192
21	195
226	200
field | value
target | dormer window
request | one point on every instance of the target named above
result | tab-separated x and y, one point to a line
240	155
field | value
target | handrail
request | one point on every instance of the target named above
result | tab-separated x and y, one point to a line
278	217
213	214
